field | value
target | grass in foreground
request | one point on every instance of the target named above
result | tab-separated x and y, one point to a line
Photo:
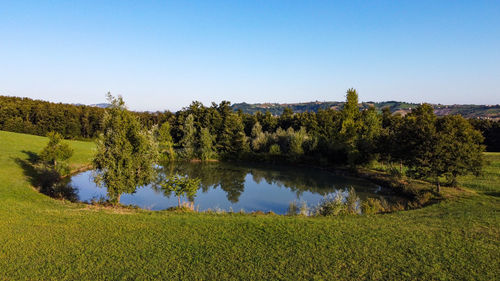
42	238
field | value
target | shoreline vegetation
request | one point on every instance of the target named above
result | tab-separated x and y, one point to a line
430	149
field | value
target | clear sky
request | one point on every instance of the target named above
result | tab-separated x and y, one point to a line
164	54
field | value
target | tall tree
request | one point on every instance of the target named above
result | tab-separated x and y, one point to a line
418	140
189	138
206	145
259	138
369	134
350	127
165	143
125	153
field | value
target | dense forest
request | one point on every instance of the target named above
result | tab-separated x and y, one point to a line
37	117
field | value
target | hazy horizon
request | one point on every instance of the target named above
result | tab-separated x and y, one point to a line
163	55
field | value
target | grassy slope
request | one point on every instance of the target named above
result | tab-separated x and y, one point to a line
43	238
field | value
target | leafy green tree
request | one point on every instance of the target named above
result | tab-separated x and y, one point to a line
233	141
180	186
165	143
206	145
286	118
351	125
369	134
417	138
259	138
126	154
458	149
56	153
297	139
189	138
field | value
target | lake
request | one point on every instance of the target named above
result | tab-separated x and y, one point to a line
240	186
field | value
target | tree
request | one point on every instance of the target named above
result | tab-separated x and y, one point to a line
165	143
233	141
180	186
206	145
417	137
259	138
126	154
56	153
458	149
297	139
349	132
369	134
189	137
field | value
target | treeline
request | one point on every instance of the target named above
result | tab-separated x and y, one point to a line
37	117
431	147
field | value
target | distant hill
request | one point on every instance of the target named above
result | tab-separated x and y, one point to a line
466	110
101	105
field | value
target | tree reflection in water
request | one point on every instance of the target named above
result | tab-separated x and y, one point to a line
230	177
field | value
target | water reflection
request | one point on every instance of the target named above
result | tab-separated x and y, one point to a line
238	186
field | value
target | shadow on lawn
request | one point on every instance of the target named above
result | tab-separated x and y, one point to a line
495	194
45	178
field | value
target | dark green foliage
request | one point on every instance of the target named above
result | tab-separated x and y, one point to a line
346	134
126	153
459	149
491	132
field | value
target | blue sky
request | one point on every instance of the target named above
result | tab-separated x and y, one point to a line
162	55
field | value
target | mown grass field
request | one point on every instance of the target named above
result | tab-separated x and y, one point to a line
42	238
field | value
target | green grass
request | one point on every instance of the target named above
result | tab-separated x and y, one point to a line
489	182
42	238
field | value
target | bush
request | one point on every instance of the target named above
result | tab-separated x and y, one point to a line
304	210
424	198
352	202
293	209
275	149
372	206
331	206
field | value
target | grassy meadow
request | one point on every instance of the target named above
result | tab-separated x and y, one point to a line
46	239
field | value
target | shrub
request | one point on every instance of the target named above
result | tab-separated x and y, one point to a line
352	201
331	206
424	198
275	149
304	210
293	209
372	206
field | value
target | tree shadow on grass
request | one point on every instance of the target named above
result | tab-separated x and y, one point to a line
493	193
46	179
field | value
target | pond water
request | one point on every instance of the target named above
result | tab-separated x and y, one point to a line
239	186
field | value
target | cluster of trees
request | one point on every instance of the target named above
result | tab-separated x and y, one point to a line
37	117
432	148
127	142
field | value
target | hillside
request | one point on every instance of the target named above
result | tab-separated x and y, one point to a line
466	110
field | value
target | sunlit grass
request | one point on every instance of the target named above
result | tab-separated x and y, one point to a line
42	238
